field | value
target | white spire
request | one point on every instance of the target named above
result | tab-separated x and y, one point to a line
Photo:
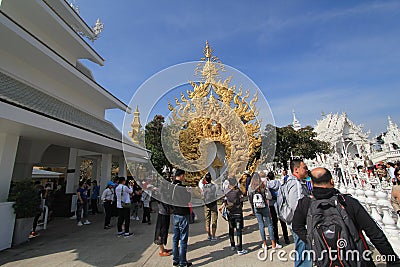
391	124
296	124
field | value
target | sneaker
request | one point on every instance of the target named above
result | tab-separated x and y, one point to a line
188	264
209	238
133	218
33	234
119	234
107	227
242	252
128	235
277	246
86	222
214	239
233	248
175	263
80	223
137	218
264	246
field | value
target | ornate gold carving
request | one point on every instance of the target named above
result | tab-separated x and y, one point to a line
215	111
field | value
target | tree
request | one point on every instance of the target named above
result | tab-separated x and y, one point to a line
308	146
286	140
153	132
290	142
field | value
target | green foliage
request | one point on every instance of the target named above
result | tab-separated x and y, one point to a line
26	198
288	141
307	146
153	143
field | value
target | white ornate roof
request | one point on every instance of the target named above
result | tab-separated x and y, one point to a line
335	128
392	135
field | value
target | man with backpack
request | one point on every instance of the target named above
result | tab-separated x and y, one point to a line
332	223
289	195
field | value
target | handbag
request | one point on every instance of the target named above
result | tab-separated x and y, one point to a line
124	204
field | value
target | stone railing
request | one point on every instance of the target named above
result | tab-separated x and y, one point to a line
375	196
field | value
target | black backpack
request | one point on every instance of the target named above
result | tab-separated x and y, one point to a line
332	236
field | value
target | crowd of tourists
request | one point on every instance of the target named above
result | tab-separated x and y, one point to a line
305	204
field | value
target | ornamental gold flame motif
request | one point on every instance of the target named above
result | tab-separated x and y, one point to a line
213	112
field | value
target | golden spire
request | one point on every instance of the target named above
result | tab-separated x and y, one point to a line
208	51
209	70
136	126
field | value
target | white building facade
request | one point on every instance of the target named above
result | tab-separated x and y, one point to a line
51	108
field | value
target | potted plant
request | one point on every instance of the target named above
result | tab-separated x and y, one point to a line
26	205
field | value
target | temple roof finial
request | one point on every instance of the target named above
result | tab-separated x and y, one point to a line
208	51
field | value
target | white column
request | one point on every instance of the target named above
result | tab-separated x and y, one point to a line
105	175
8	151
73	171
122	167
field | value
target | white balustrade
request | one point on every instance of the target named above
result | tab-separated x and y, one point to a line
375	215
370	193
398	222
360	195
389	224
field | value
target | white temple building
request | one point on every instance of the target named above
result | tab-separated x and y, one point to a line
52	110
391	137
347	139
391	144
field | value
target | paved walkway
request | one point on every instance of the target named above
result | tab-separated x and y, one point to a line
65	244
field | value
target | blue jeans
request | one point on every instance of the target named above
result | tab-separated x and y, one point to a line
181	233
79	208
302	259
262	214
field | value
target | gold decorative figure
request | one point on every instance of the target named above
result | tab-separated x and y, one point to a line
214	111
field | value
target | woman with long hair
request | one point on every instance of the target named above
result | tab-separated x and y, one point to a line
261	209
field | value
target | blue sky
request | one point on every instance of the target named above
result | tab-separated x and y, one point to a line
311	56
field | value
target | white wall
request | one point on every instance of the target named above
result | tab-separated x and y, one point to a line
8	151
30	74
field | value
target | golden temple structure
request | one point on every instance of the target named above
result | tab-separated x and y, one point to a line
214	112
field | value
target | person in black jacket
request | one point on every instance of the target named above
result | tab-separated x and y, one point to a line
323	188
180	199
233	202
